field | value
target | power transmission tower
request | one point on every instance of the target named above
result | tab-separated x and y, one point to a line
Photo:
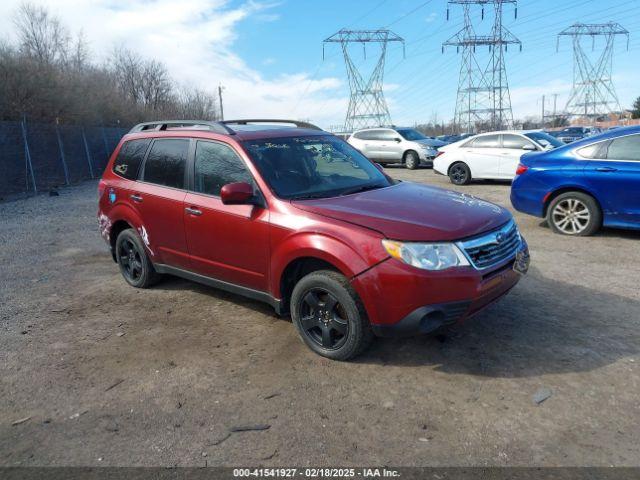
367	106
483	98
593	94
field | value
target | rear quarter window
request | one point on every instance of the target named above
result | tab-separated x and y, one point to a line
129	159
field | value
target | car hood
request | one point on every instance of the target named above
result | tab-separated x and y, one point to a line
431	142
412	212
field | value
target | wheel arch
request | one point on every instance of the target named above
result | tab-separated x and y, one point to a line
303	254
407	151
566	189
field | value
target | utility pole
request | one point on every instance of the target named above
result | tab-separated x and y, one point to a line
593	94
555	111
367	106
220	89
483	91
543	114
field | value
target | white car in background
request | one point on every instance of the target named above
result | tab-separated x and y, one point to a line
396	145
493	155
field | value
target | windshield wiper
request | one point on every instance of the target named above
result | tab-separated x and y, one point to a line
361	188
308	196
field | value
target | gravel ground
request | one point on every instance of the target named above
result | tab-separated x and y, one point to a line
95	372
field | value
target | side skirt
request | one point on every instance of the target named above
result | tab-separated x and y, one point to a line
222	285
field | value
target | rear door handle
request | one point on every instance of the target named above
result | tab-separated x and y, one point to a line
135	197
606	169
193	211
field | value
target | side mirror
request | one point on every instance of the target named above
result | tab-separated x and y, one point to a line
529	147
240	193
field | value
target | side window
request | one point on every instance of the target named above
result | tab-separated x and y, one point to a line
382	135
130	157
515	142
390	135
166	162
625	148
215	166
486	141
597	150
361	135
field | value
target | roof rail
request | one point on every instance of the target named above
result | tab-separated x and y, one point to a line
161	125
297	123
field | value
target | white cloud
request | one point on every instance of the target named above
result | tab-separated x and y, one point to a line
195	39
526	100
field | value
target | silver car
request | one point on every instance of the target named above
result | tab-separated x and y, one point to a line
396	145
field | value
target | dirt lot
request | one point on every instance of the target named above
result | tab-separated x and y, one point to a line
110	375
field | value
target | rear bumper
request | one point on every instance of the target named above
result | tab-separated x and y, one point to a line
527	196
401	300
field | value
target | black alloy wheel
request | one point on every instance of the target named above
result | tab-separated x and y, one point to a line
324	320
459	174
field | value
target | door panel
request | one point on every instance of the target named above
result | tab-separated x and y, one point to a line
226	242
483	156
512	150
616	178
160	200
162	211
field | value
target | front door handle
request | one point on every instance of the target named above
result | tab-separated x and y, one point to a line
193	211
606	169
136	198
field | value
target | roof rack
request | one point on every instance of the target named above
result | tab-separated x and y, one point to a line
218	127
297	123
162	125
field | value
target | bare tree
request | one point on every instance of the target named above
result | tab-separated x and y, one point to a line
41	35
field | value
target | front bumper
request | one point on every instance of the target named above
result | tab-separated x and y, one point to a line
401	300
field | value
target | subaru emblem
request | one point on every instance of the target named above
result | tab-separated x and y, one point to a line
500	237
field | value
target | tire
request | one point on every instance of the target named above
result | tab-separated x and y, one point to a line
337	327
460	174
411	160
135	265
574	213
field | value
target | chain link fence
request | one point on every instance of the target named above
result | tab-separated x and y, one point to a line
37	157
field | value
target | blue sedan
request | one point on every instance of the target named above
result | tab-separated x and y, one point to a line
584	185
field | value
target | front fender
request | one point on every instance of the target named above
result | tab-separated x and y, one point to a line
347	260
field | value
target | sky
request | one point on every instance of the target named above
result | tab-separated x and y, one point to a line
268	53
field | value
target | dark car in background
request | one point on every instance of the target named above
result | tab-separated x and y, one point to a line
573	134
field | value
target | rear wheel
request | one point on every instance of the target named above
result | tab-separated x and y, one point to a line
574	213
460	174
329	315
411	160
134	263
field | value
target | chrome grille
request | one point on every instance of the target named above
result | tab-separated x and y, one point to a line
493	248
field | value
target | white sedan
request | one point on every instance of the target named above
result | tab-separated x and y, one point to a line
493	155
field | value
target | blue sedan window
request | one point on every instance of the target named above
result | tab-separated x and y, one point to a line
625	148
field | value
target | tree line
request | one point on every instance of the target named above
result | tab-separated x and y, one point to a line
48	75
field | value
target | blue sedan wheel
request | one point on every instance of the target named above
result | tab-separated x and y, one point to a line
574	213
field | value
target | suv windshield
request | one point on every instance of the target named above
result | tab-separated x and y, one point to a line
544	139
313	167
411	134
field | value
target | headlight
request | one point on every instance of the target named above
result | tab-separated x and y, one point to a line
426	147
427	256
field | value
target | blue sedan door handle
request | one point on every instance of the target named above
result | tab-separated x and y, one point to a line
606	169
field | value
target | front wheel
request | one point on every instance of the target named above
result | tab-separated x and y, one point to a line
411	160
329	316
574	213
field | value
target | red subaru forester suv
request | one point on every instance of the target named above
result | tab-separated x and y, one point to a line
283	212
